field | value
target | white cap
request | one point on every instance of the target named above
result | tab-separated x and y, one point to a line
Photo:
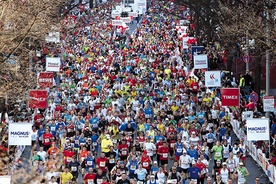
193	162
240	163
155	162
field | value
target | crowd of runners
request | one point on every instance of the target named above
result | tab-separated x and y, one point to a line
133	113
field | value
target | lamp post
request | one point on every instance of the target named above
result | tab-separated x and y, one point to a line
267	59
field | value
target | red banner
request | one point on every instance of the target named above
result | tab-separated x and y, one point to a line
38	99
45	79
230	97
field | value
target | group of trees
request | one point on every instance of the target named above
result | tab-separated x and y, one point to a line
229	22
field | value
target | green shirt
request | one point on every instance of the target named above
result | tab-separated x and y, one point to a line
217	152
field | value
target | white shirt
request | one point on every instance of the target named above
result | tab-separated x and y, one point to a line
185	161
34	135
48	175
224	173
150	147
42	154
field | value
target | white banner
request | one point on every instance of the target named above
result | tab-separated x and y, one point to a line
212	79
5	179
117	22
141	4
268	103
200	61
126	19
247	115
133	14
257	129
52	64
20	134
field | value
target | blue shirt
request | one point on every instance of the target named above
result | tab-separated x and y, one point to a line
193	153
194	172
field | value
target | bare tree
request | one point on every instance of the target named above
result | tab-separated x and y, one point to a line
23	26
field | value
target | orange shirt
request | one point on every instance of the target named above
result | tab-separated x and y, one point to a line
53	151
83	155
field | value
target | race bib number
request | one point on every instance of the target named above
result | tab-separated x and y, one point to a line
165	155
53	128
124	152
99	181
145	164
95	143
179	150
74	168
40	138
69	159
77	142
90	181
102	164
47	140
90	163
112	161
218	154
133	167
172	145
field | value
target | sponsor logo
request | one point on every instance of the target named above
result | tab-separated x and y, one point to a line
53	64
21	134
257	129
38	99
45	80
230	97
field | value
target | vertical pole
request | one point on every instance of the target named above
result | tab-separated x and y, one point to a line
247	50
267	63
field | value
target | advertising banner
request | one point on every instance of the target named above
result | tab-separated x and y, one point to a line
212	79
197	49
45	79
142	4
247	115
117	22
20	134
230	97
257	129
52	64
268	103
200	61
38	99
5	179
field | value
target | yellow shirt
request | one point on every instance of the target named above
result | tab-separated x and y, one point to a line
66	177
105	145
167	71
174	108
161	127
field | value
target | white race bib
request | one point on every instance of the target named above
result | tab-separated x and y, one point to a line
165	155
179	150
74	168
217	154
47	140
133	167
145	164
102	164
124	152
89	162
111	160
90	181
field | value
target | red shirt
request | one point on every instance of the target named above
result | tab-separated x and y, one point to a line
159	144
102	163
195	86
201	166
89	177
172	143
68	156
47	139
164	151
123	148
145	162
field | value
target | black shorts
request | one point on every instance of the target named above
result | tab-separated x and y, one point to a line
163	162
184	170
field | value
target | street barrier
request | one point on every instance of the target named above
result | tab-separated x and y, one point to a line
255	153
